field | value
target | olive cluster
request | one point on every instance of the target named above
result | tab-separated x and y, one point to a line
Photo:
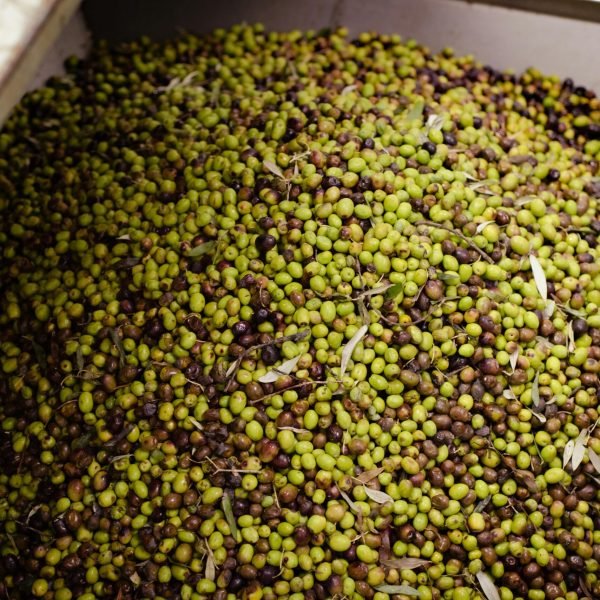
298	316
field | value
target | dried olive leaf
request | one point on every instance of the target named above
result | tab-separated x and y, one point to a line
539	276
509	394
405	563
285	368
195	423
294	429
487	585
349	348
543	343
229	516
378	496
568	452
202	249
348	89
435	123
535	390
482	226
549	309
209	570
514	357
476	185
273	168
570	337
135	579
542	418
579	450
366	476
594	459
352	505
232	367
407	590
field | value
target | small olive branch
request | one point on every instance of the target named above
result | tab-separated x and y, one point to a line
465	239
233	368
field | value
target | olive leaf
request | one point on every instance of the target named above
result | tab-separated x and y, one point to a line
407	562
535	390
490	591
79	358
233	367
273	168
481	505
349	348
135	579
539	276
375	291
378	496
509	394
575	313
519	202
201	249
209	569
348	89
549	309
568	452
543	343
116	340
570	337
594	459
229	516
351	504
284	368
416	112
579	450
482	183
434	123
195	423
125	237
294	429
366	476
540	416
584	588
514	357
482	226
394	290
407	590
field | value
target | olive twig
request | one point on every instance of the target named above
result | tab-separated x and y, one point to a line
477	249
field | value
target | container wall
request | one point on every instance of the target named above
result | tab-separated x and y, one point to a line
502	37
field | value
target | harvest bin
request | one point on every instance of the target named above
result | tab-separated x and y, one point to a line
535	216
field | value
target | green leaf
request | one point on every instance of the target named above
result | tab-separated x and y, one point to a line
202	249
416	112
393	291
229	516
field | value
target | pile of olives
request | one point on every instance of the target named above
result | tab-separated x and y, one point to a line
299	316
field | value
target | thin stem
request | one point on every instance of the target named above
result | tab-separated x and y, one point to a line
481	253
